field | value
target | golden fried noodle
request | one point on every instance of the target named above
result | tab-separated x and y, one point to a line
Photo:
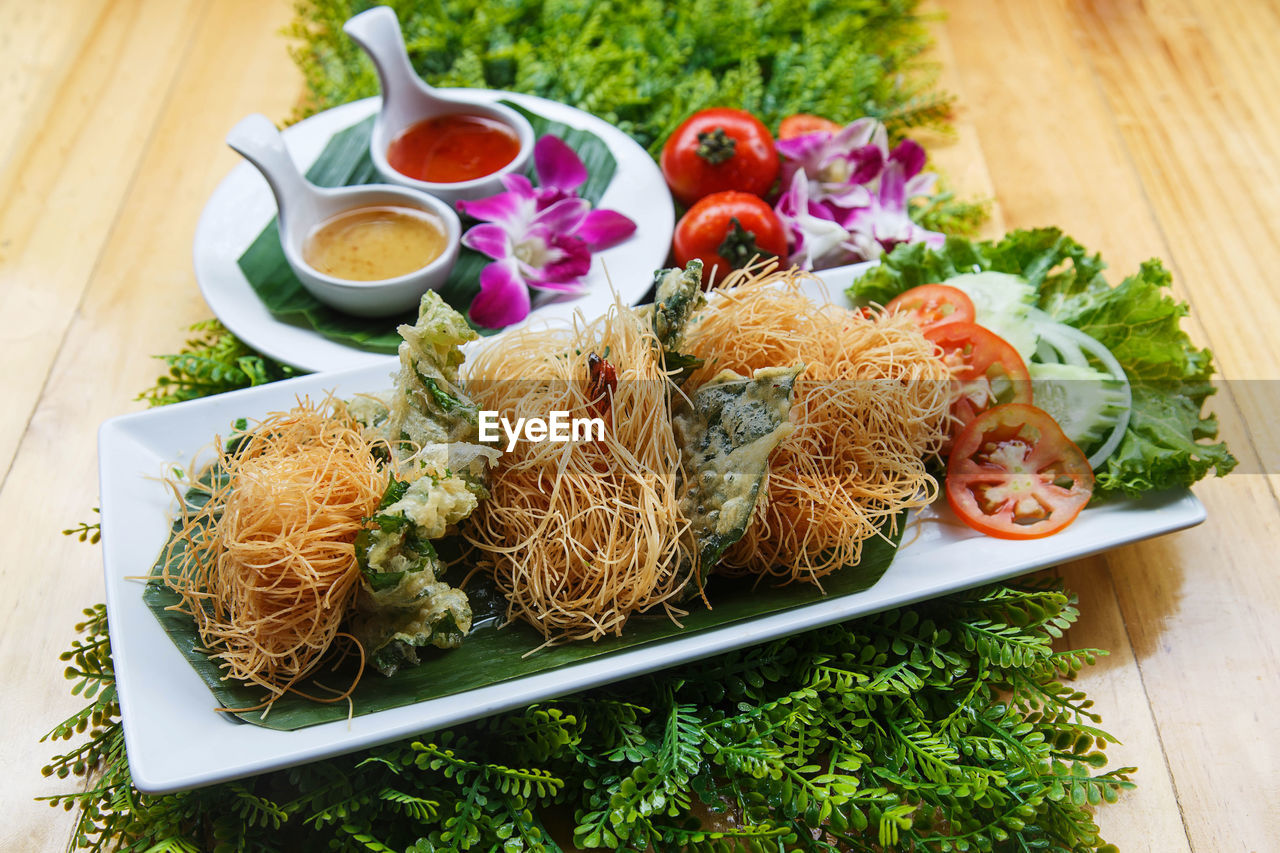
871	404
267	567
583	534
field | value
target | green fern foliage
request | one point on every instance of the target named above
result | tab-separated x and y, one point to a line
211	362
948	726
645	65
86	531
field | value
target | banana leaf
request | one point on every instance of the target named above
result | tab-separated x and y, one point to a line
493	652
345	161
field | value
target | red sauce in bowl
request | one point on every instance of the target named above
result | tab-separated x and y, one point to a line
452	148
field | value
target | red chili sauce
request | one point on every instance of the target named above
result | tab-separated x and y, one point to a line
452	148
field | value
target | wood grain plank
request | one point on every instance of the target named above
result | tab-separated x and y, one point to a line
1196	120
41	44
1008	81
88	82
140	296
958	156
1145	818
1091	121
1200	608
1211	662
64	188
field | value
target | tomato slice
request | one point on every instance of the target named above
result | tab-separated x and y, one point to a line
933	305
986	369
1013	474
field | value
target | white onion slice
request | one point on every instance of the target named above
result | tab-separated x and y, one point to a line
1072	343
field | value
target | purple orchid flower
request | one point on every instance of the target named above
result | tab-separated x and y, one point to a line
847	194
885	222
816	239
539	238
837	164
910	156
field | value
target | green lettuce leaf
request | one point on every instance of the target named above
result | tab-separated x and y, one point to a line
1169	442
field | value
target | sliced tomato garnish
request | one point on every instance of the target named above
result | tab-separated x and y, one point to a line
933	305
985	369
1014	474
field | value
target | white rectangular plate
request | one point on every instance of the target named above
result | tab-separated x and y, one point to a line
177	740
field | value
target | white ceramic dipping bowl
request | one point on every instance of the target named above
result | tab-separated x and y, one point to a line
408	100
400	116
371	298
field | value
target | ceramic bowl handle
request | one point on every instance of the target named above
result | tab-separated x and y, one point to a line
377	31
258	141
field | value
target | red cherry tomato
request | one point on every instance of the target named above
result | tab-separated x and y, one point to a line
802	124
1013	474
986	369
719	149
726	230
933	305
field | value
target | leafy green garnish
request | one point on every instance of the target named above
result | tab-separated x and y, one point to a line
211	362
916	729
645	66
1169	441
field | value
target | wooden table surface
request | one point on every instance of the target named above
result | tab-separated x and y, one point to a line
1141	128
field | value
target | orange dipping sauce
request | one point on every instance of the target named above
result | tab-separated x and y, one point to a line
452	148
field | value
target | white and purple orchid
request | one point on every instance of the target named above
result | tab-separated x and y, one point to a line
837	164
815	240
846	195
539	238
885	223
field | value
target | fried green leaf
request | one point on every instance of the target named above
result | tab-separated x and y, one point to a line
726	433
402	604
429	405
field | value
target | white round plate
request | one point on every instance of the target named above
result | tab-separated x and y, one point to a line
242	206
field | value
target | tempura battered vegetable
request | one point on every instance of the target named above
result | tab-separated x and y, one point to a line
427	421
726	433
428	405
403	605
318	523
869	408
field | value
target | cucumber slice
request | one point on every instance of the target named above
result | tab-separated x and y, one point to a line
1088	404
1004	304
